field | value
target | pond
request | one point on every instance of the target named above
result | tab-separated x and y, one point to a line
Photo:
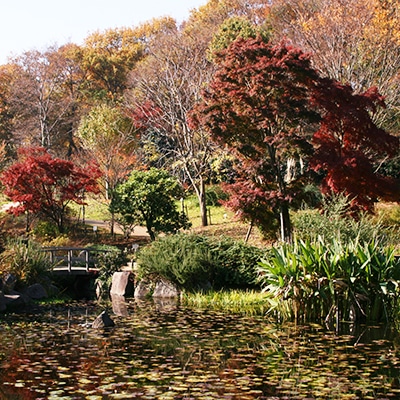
171	352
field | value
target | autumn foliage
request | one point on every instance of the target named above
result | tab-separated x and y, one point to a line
286	88
42	185
349	146
258	104
270	106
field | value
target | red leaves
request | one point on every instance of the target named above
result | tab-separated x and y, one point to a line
266	102
348	144
43	184
257	85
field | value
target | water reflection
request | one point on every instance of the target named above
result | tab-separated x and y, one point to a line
159	350
119	305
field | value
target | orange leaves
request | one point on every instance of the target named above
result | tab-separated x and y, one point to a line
354	41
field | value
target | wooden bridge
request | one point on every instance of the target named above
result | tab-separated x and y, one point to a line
74	260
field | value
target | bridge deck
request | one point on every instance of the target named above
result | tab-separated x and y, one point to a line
74	260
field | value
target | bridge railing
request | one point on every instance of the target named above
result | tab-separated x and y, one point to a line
73	259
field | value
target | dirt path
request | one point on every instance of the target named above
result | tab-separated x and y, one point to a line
139	231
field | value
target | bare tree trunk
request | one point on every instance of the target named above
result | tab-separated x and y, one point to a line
112	224
286	226
249	231
201	195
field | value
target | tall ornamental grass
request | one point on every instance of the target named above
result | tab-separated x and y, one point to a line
332	280
334	222
26	261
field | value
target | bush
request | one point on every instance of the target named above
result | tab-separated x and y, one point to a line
332	280
25	260
194	262
46	229
182	259
334	223
235	264
59	241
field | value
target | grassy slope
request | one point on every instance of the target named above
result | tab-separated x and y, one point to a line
223	221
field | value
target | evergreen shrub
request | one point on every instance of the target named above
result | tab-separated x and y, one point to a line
235	263
195	262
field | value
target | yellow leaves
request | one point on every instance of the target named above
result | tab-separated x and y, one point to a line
385	23
150	29
306	26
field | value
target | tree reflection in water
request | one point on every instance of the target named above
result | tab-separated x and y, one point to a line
165	351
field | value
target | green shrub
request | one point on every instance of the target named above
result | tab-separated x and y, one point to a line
182	259
334	223
46	229
196	261
332	280
235	263
26	260
59	241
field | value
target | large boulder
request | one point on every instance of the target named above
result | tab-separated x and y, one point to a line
164	288
122	284
36	291
15	299
143	289
103	321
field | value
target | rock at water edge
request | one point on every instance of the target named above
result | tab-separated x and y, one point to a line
122	284
103	321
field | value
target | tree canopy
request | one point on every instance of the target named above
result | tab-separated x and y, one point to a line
267	103
296	92
42	185
258	104
349	144
148	197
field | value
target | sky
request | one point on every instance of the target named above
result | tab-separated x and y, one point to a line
38	24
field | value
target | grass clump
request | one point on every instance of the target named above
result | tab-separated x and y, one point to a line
26	261
335	222
249	302
332	280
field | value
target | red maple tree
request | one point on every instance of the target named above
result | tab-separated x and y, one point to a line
258	104
349	145
269	105
42	185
